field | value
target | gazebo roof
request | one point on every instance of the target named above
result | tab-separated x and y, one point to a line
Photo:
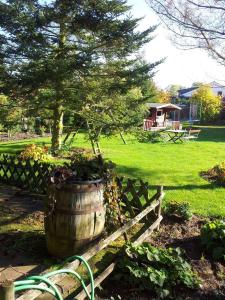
163	105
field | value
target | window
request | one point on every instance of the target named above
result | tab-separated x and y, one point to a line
159	113
219	93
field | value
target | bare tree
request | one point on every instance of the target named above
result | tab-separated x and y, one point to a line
195	24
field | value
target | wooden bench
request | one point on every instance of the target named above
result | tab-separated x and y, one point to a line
192	134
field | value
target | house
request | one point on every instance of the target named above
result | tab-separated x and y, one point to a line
190	110
160	114
218	89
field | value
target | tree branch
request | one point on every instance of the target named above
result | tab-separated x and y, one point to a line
206	6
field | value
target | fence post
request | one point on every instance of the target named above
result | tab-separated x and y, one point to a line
160	194
7	290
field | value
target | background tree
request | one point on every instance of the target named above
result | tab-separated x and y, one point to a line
208	103
149	89
197	84
173	89
49	48
114	104
10	116
163	96
194	24
156	94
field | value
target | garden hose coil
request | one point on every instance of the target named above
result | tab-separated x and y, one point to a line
33	282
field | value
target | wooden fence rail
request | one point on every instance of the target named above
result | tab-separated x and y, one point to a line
7	290
135	194
155	203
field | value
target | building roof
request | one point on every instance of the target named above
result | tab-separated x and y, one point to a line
182	92
163	105
215	84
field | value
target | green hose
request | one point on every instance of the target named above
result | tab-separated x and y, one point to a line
33	281
68	271
82	260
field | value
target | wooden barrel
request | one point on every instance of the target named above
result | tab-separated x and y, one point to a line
75	215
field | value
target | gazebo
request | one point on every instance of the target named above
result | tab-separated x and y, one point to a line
158	115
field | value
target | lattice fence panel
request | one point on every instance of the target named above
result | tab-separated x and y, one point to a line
31	175
34	176
135	194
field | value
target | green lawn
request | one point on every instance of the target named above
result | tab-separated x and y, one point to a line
176	166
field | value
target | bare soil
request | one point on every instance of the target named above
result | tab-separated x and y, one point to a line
174	233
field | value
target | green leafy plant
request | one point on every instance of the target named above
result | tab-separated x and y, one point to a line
86	167
213	238
83	168
156	269
34	152
146	136
180	210
215	174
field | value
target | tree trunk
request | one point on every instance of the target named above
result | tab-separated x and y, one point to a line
122	138
57	128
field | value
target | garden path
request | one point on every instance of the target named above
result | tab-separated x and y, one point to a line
21	233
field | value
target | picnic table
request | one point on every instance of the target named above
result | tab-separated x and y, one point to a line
176	135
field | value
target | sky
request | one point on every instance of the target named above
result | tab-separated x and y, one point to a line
181	67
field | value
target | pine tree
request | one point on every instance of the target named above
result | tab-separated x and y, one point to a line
49	48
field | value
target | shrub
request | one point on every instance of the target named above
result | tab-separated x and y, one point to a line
146	136
156	269
215	174
213	239
180	210
34	152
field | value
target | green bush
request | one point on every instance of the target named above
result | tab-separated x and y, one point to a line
215	174
156	269
146	136
181	210
34	152
213	239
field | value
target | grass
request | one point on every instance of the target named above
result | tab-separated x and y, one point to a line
176	166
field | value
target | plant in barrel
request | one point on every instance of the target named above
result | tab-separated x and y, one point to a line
75	210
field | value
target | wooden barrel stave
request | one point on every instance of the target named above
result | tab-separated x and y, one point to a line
78	217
